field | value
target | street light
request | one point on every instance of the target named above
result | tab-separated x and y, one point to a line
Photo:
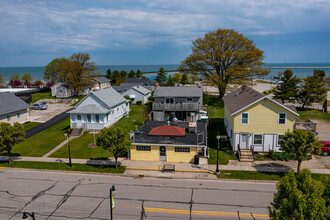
67	135
27	214
218	137
112	201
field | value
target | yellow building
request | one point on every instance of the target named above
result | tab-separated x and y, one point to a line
176	142
252	119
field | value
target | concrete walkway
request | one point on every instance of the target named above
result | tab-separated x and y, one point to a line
59	146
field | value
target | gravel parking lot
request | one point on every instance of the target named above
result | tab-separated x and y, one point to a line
44	115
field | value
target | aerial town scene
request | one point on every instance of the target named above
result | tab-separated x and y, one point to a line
165	110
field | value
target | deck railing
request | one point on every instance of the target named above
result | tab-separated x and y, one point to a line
305	125
176	106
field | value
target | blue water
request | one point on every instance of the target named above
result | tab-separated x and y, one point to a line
301	70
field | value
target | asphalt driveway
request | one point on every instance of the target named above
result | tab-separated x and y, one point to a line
45	115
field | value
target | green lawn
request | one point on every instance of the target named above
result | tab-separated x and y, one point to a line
263	81
31	125
216	124
255	175
313	114
43	142
64	166
41	95
79	146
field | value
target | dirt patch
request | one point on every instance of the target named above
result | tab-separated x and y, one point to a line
44	115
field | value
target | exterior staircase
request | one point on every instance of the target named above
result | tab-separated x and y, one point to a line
246	156
77	131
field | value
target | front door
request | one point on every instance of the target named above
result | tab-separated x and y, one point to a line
243	141
162	153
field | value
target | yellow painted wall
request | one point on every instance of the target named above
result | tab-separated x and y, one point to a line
152	155
173	156
263	118
229	117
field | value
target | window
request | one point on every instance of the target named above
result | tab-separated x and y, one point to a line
89	118
189	99
79	117
245	118
257	139
169	100
281	118
182	149
143	148
97	118
8	117
117	109
279	139
18	114
107	116
113	111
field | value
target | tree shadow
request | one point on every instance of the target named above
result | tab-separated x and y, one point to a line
102	161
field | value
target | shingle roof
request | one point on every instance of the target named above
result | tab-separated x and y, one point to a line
141	89
168	130
90	109
137	80
109	96
179	91
101	79
11	103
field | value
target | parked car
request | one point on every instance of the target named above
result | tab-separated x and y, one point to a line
326	148
39	106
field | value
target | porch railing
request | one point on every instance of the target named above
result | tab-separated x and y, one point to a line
176	106
305	125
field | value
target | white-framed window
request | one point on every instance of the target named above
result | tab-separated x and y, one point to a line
245	118
282	118
108	118
189	99
89	118
97	118
279	139
8	117
18	114
79	117
182	149
113	112
118	109
257	139
143	148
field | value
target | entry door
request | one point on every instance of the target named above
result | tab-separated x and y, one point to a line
243	143
162	153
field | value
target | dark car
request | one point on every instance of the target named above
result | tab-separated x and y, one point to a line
39	106
326	148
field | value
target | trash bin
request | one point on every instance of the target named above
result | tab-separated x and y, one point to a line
196	160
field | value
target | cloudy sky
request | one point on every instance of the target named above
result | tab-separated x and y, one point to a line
127	32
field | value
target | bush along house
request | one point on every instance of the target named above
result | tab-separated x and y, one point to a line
169	141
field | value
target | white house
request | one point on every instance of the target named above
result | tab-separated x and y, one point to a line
138	93
101	82
99	109
13	109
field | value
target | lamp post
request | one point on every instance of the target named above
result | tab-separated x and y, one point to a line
112	201
67	135
218	137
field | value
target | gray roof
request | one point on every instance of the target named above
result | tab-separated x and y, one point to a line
90	109
137	80
109	96
101	79
179	91
11	103
141	90
199	138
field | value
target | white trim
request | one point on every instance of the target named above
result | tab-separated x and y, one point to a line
277	138
175	145
262	139
278	119
268	99
248	119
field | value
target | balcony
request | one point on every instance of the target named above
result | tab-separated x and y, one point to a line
176	106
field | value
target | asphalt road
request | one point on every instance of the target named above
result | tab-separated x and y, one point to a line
63	195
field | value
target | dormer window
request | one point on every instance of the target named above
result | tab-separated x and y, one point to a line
245	118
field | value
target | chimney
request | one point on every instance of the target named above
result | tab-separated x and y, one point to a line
243	87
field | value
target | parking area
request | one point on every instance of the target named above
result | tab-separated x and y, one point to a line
44	115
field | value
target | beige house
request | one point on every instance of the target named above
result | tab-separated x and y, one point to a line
13	109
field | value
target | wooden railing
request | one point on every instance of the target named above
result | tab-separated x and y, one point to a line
176	106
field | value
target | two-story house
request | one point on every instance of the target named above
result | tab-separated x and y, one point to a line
253	120
181	102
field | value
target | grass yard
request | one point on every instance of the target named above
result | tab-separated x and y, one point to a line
43	142
31	125
216	124
263	81
41	95
255	175
64	166
79	146
313	114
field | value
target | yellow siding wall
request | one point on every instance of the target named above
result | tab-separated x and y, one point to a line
173	156
152	155
263	118
229	117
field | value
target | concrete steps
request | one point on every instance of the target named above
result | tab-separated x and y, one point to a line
77	131
246	156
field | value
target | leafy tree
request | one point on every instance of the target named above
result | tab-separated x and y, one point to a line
139	74
170	81
325	106
13	78
2	80
300	144
123	74
115	140
79	72
38	83
16	83
288	90
224	57
184	79
109	74
27	78
298	197
131	74
54	71
161	75
313	90
50	84
177	77
9	136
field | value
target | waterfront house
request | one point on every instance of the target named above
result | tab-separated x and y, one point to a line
138	93
256	122
131	82
101	82
98	110
13	109
169	141
61	90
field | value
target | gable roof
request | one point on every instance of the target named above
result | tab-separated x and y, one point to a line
137	80
141	90
178	91
168	130
101	79
11	103
90	109
240	99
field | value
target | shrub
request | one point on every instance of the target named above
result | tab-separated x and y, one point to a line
16	83
50	84
139	102
37	83
283	156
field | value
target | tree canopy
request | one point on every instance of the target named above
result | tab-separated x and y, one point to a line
54	71
9	136
161	75
27	77
224	56
288	90
2	80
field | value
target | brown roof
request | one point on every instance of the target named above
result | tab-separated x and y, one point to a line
239	98
168	130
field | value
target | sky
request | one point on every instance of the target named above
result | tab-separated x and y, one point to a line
127	32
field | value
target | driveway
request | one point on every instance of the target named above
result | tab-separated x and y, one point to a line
45	115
